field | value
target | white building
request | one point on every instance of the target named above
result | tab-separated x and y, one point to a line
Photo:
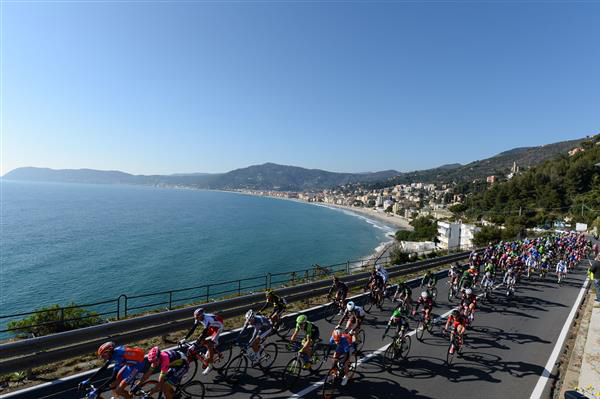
449	235
467	233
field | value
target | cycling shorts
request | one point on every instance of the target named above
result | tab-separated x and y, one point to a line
175	374
127	374
213	334
264	331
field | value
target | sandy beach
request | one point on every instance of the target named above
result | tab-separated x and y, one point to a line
387	218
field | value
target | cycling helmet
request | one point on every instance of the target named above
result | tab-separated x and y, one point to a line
250	315
198	312
424	294
335	278
488	274
455	313
337	334
472	267
107	347
154	355
350	306
468	291
301	319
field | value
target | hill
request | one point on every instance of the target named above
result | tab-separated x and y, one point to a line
500	164
268	176
566	186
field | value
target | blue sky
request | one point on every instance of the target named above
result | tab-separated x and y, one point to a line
196	86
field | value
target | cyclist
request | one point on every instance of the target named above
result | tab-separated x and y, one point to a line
403	294
429	280
311	337
397	319
383	273
453	273
468	302
341	291
487	280
342	342
128	362
213	326
466	281
355	315
459	323
173	365
262	328
278	304
561	269
377	285
427	302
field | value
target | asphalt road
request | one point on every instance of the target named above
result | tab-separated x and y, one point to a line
505	352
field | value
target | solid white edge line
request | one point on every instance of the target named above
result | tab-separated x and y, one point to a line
365	359
543	380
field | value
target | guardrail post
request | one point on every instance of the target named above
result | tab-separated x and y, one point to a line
207	292
348	267
270	281
170	299
125	310
239	287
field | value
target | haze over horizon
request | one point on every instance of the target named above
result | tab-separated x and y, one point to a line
197	87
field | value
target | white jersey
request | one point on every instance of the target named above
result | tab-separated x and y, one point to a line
561	267
384	274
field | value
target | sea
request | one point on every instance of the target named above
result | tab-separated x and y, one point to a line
64	243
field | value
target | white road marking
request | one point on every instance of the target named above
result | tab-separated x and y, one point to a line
541	384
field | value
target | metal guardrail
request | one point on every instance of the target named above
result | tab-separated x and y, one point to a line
57	388
35	352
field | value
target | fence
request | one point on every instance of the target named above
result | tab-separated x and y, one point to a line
124	306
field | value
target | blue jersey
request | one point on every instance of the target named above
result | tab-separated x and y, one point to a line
128	356
343	346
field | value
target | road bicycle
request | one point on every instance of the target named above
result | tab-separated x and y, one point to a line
264	359
455	347
398	348
453	289
198	354
333	380
374	299
297	365
424	324
432	290
405	305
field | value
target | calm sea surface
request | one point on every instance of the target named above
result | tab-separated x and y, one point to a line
81	243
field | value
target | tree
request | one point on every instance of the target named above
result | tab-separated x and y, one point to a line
54	319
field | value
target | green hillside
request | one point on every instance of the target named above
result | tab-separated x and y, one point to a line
567	186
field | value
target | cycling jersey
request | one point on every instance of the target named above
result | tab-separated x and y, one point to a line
311	329
340	287
344	346
276	301
213	325
358	312
561	267
128	356
460	320
384	275
171	359
377	279
429	279
468	300
426	302
260	324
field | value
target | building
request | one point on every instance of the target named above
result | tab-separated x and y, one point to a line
491	179
467	233
576	150
449	235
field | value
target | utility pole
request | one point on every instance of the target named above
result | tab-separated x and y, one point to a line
520	210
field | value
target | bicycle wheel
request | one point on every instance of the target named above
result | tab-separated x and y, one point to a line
221	359
291	373
405	347
146	387
284	330
450	354
318	358
236	369
434	294
330	385
332	311
268	356
195	389
389	355
191	373
368	304
430	326
450	293
420	330
360	338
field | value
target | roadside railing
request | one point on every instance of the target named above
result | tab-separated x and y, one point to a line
125	306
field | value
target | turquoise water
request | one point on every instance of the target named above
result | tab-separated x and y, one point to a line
81	243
